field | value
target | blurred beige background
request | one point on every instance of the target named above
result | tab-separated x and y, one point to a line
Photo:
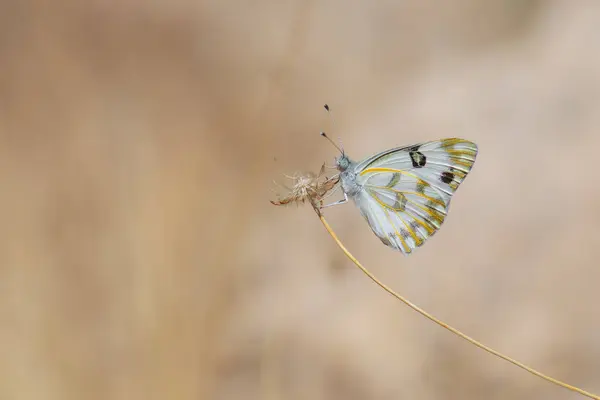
140	257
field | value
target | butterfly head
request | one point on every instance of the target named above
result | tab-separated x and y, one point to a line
342	162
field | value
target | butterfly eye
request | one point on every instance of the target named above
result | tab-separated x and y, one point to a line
343	162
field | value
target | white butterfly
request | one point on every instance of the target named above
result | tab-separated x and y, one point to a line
404	193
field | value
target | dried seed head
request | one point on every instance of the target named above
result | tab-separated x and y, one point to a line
306	186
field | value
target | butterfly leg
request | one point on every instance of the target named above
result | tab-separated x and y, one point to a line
344	200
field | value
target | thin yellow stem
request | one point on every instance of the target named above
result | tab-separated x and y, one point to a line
444	325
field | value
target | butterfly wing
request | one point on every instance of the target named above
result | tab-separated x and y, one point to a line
407	191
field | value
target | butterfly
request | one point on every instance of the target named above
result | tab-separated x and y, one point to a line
404	193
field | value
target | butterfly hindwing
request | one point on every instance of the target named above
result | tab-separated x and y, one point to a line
407	191
388	225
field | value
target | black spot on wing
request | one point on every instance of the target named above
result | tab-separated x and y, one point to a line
447	177
418	159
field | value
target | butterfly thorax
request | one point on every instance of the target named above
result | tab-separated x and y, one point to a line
348	175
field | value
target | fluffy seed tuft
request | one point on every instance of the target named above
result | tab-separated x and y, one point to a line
306	186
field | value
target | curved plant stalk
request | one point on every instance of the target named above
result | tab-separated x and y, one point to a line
444	325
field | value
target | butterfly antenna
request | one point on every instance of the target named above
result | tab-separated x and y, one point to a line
341	147
330	121
332	142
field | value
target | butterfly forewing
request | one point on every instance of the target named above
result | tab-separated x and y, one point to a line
407	191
